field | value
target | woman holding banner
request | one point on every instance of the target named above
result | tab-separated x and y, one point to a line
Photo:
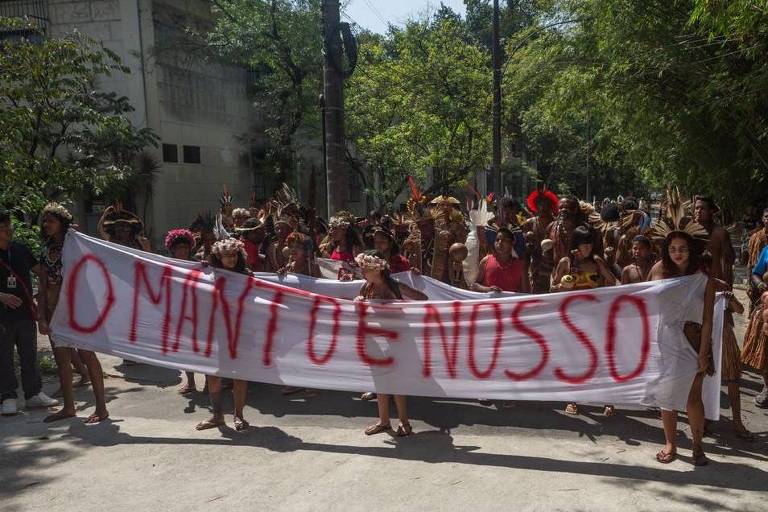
180	244
230	255
681	256
56	222
582	270
379	285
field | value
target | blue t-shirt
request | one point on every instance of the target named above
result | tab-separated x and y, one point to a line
762	263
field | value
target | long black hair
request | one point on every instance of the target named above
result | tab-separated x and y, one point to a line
581	235
694	255
393	285
240	267
65	224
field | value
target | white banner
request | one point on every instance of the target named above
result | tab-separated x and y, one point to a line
617	345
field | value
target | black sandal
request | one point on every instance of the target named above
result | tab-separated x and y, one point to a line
700	459
241	424
404	430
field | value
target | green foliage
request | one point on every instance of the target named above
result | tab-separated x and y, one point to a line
24	232
281	43
60	135
419	102
670	90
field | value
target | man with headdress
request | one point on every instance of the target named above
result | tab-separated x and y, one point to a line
543	204
449	228
204	229
123	227
252	233
561	230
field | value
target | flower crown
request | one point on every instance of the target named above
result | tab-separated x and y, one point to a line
338	222
371	262
179	234
58	210
228	246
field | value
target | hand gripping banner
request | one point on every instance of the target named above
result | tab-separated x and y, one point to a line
616	345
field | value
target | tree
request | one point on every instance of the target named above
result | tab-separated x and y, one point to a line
669	91
280	42
420	102
60	135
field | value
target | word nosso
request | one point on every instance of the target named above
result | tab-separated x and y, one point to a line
441	332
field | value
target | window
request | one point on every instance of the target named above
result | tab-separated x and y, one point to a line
191	154
170	153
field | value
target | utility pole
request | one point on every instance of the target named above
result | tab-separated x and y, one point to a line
496	164
333	113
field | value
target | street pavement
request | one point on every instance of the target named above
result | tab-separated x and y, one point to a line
310	453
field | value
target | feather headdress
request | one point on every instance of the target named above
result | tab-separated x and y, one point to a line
676	220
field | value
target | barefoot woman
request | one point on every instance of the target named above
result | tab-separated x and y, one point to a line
56	221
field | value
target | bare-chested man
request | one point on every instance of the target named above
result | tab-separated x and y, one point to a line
642	261
723	258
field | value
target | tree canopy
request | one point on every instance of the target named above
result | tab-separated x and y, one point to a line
62	136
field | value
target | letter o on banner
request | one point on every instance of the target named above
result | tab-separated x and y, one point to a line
72	295
645	347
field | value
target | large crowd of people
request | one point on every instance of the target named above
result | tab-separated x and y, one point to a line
546	244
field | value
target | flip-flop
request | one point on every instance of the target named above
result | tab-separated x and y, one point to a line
666	457
377	429
404	430
94	419
241	424
700	459
745	435
209	424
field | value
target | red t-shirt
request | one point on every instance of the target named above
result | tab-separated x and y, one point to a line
253	260
398	263
507	276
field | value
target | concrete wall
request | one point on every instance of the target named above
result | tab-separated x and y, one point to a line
184	99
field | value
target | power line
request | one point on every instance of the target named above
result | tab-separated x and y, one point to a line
376	12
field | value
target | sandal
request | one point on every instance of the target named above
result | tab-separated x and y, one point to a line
404	430
700	459
744	434
367	397
209	424
377	429
572	408
186	390
241	424
666	457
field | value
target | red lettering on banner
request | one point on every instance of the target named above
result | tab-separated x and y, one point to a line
583	339
335	332
274	310
72	296
610	348
363	330
189	288
535	335
233	331
496	308
451	351
139	277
